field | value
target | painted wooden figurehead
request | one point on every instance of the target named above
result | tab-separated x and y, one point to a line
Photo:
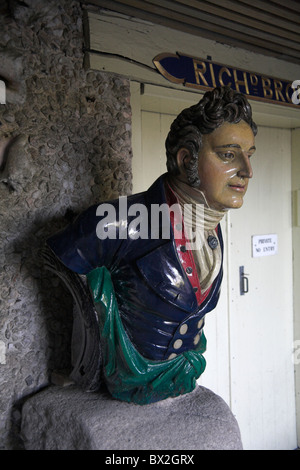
150	285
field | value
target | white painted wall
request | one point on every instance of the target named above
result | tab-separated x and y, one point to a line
296	255
261	321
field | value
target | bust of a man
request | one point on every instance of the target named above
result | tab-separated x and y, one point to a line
153	286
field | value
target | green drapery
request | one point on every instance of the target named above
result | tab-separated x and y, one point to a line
128	375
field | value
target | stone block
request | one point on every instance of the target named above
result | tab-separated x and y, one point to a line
67	418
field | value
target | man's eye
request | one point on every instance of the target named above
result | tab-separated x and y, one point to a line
227	156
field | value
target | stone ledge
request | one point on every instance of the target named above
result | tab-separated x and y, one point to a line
67	418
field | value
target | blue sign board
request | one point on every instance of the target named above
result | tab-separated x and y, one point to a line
205	75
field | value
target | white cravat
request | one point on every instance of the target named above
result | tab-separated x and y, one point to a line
207	260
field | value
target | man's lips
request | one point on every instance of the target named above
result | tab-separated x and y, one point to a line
238	187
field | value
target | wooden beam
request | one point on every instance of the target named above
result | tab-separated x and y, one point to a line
290	4
249	39
229	19
200	28
272	8
273	25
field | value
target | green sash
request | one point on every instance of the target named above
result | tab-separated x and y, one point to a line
128	375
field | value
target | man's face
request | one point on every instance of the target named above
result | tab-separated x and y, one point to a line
224	165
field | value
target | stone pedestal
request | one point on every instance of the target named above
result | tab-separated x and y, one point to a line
67	418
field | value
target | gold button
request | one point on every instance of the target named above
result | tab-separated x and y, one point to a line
177	344
200	323
196	339
183	329
172	356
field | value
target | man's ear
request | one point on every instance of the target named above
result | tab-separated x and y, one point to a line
183	158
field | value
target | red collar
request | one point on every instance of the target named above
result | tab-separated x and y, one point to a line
185	256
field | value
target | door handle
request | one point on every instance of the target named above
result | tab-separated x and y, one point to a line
244	281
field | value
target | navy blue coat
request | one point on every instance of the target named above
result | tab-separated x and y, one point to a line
153	291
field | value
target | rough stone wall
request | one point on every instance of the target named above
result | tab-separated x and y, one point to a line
64	145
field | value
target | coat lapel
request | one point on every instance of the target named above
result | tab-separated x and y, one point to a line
160	266
165	275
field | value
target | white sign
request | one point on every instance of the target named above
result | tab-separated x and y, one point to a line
2	92
264	245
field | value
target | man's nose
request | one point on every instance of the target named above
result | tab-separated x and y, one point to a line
245	170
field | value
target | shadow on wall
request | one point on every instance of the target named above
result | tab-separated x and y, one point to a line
44	339
38	327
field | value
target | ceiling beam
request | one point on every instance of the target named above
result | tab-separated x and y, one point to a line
191	20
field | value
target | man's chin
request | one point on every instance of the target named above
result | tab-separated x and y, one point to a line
233	204
237	204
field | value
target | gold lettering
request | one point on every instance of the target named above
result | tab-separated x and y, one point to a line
278	87
212	73
266	83
200	69
288	97
253	79
224	70
237	82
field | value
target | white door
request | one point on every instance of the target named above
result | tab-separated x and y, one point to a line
261	333
249	337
